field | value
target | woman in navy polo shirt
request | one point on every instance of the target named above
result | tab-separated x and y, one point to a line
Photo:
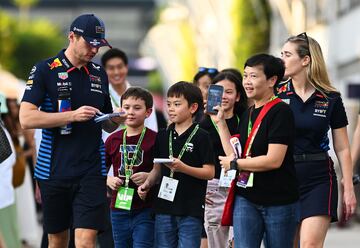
317	107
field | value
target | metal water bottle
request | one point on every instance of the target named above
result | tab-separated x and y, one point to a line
64	104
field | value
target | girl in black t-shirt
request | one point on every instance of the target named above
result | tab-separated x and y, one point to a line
265	205
234	102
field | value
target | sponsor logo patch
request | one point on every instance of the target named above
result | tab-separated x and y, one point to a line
64	84
95	79
29	84
78	30
320	112
282	89
65	63
95	42
55	63
63	75
33	70
96	67
190	147
321	104
99	29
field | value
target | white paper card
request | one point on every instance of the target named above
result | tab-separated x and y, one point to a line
226	178
168	188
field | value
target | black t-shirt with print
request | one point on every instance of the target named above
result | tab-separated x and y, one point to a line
279	186
190	194
233	124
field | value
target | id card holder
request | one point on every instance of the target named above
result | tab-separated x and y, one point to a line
168	188
245	179
226	178
124	198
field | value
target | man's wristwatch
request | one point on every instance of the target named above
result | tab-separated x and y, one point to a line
233	164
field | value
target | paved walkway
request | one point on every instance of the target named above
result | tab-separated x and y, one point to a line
348	237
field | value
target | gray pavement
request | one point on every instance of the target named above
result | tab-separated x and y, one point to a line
348	237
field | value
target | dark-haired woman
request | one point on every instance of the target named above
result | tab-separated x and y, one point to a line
234	103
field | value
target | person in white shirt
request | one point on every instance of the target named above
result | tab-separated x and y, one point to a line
115	63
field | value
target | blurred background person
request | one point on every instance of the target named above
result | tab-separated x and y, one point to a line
22	177
115	63
9	229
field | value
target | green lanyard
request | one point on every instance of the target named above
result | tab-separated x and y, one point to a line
184	146
251	110
129	166
217	128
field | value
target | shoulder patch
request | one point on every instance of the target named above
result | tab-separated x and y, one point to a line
33	70
96	67
282	88
55	63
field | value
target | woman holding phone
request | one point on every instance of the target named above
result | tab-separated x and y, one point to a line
266	193
234	102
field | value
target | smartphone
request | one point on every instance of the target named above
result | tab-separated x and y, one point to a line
214	98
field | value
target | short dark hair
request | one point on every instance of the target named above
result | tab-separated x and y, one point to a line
272	65
234	76
114	53
191	93
138	92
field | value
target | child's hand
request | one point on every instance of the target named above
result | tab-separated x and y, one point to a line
143	190
139	178
177	165
114	183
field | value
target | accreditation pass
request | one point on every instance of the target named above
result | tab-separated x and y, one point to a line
168	188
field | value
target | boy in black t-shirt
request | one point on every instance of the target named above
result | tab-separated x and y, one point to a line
179	207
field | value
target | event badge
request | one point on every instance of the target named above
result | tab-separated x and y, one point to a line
124	198
245	179
168	188
226	178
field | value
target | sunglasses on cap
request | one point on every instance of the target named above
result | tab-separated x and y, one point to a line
208	70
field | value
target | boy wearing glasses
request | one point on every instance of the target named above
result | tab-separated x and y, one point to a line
179	207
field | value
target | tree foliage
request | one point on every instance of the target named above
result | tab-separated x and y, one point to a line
251	20
24	44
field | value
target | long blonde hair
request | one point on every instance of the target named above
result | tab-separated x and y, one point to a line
316	73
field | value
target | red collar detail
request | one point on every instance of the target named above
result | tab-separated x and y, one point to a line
87	70
71	69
